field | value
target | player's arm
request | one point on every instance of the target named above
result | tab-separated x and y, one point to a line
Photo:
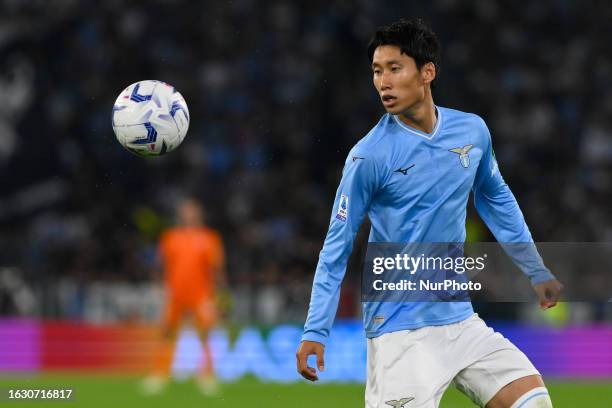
499	209
359	181
158	267
223	297
218	264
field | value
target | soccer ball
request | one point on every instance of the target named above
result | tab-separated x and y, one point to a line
150	118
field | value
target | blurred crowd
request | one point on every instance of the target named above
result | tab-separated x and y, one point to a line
278	93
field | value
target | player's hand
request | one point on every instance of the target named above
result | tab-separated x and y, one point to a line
548	292
306	349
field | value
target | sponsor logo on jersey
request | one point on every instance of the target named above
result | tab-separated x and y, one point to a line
464	158
404	171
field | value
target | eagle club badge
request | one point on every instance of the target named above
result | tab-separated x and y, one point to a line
399	403
342	208
464	158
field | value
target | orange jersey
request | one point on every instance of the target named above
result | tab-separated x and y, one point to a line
190	256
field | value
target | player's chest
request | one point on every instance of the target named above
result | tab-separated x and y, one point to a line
433	169
190	246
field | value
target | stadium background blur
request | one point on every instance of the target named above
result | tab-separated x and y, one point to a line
278	93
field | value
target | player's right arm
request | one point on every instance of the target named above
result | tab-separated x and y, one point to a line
359	182
159	269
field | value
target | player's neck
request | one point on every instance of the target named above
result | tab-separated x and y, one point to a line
422	117
191	225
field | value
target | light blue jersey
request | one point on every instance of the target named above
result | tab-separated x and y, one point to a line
414	187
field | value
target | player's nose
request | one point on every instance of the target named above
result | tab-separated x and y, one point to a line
384	83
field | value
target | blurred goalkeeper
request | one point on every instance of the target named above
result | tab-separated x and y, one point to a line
192	257
412	174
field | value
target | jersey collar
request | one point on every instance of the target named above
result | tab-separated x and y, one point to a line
417	132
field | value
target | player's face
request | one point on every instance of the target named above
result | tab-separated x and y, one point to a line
189	214
400	84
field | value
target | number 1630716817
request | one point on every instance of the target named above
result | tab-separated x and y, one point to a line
37	394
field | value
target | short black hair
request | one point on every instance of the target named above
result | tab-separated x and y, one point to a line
414	38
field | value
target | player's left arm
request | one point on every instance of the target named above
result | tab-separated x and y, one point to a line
218	263
499	209
222	294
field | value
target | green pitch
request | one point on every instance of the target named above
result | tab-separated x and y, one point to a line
118	392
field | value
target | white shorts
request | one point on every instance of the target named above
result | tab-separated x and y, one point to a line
414	367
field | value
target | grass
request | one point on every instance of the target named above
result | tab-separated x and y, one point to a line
93	391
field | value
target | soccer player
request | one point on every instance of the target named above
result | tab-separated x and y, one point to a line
412	175
193	261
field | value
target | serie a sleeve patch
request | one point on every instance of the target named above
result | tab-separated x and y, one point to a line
342	213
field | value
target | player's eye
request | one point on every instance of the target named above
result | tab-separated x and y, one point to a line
377	72
395	69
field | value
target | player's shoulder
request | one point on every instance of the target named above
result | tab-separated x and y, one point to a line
167	237
455	117
168	233
374	143
210	233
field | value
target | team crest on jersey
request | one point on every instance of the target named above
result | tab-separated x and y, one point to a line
464	158
342	208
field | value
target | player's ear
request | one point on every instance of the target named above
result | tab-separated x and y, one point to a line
428	72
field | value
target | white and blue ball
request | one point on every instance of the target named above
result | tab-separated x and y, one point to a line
150	118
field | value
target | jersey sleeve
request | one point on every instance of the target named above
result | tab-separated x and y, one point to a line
499	209
217	254
162	247
360	179
162	255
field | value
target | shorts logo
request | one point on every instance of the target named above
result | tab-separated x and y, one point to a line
463	154
342	208
399	403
